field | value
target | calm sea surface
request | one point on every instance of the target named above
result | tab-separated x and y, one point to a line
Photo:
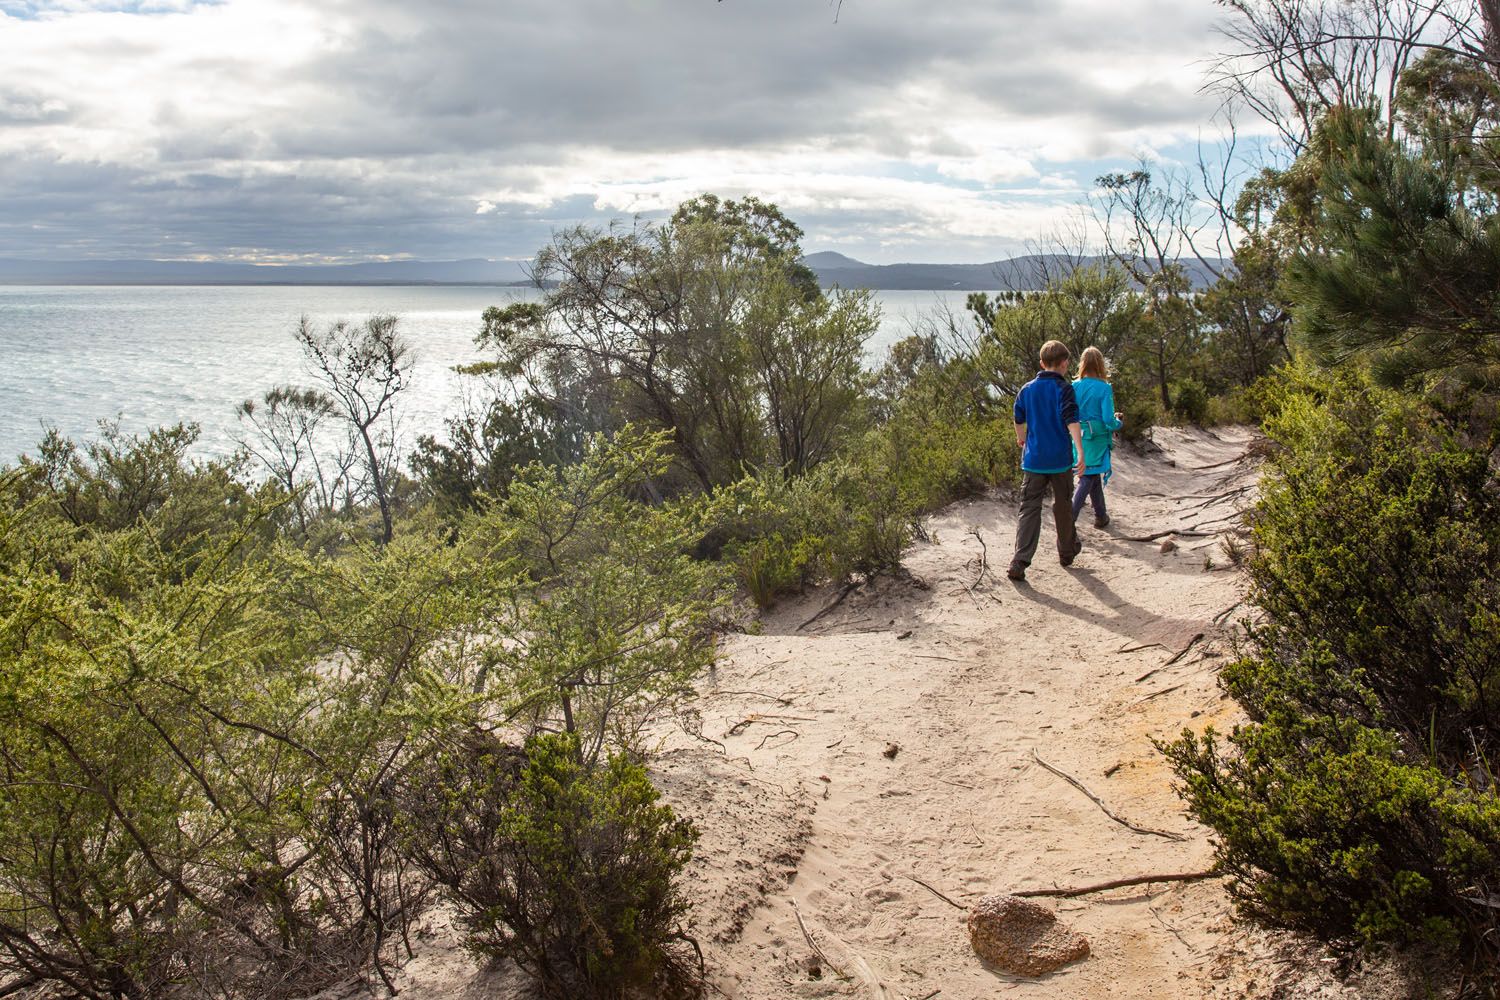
73	355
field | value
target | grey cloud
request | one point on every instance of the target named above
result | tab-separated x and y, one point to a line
383	143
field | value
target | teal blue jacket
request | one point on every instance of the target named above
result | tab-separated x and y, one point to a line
1096	417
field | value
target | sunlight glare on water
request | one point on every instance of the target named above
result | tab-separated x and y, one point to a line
73	355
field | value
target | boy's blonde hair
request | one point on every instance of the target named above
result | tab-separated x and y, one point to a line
1092	364
1054	353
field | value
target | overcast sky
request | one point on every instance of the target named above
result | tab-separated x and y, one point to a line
341	130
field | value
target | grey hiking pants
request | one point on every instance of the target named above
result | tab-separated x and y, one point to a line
1033	491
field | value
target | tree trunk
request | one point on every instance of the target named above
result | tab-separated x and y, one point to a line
1490	11
379	482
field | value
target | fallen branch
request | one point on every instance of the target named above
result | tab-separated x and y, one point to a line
1119	883
785	732
807	936
1223	616
1182	532
1151	831
1219	465
757	694
849	588
765	720
939	895
1136	649
1183	651
17	985
1158	694
1211	499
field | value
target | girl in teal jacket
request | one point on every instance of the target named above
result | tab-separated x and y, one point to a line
1099	421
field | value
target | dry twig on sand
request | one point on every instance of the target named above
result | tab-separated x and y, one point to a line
1223	616
939	895
764	720
1158	694
1119	883
1219	465
1183	651
984	558
1180	532
807	936
757	694
1151	831
784	732
849	588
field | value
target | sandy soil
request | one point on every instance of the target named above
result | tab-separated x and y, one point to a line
892	740
968	681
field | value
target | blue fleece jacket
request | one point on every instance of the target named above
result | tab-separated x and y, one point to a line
1046	406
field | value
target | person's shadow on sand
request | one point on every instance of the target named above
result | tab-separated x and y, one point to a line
1130	621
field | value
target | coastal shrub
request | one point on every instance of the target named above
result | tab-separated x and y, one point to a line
1359	800
609	618
569	869
1140	410
1189	401
194	743
1237	405
118	480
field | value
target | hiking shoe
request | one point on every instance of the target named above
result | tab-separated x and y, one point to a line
1067	560
1101	522
1016	573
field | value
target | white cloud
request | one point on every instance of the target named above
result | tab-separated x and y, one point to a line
469	127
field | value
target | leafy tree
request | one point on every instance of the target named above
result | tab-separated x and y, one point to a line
363	368
287	443
1403	273
756	231
694	328
494	433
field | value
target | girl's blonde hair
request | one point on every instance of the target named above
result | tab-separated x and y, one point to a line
1092	364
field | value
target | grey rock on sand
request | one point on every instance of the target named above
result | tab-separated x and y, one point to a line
1022	937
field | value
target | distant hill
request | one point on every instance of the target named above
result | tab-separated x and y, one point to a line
181	272
1016	274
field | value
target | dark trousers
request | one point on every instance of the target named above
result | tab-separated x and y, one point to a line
1034	490
1090	488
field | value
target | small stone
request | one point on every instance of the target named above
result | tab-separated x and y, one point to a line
891	750
1167	545
1022	937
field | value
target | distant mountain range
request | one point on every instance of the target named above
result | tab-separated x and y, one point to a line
1017	273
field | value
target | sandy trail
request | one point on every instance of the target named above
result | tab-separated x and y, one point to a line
804	809
967	684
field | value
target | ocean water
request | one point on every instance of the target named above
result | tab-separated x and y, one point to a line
71	356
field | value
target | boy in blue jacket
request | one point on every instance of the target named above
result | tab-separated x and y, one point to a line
1051	445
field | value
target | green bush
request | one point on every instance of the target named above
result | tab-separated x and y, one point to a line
1140	409
193	743
1189	401
1238	405
1359	799
569	870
